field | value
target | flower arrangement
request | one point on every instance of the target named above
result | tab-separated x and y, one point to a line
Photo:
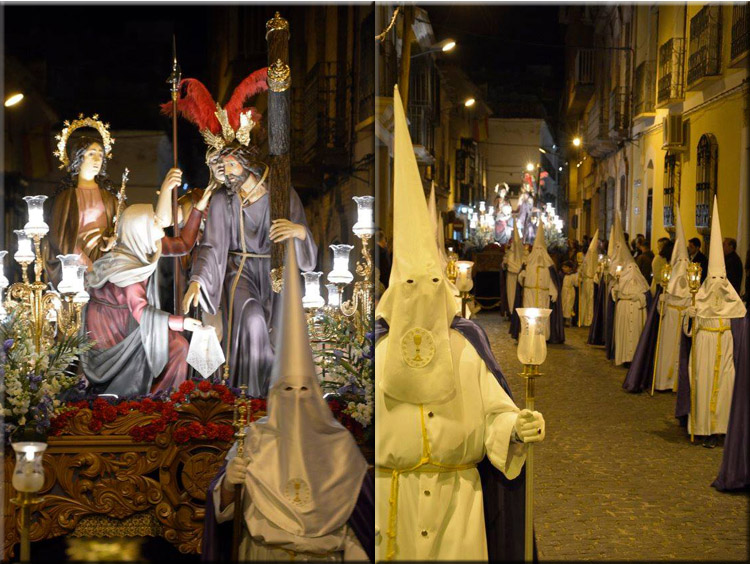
347	368
34	382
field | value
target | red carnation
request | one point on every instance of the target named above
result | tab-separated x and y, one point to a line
204	386
186	387
181	435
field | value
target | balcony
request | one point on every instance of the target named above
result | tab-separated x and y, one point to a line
619	116
422	131
671	61
645	91
740	35
704	61
582	81
596	130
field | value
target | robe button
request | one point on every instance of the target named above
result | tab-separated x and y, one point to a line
430	414
424	533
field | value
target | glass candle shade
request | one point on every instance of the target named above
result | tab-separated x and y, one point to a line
532	344
365	224
618	270
665	275
334	295
25	252
69	283
464	282
28	475
312	298
3	279
82	296
340	273
482	206
694	276
36	224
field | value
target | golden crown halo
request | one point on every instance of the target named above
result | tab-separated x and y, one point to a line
93	122
228	134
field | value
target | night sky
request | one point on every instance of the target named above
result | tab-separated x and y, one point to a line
515	50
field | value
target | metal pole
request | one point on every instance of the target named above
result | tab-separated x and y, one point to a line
174	80
658	340
528	549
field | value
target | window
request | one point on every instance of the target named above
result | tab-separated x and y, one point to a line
740	29
671	56
705	44
671	187
705	181
623	198
643	102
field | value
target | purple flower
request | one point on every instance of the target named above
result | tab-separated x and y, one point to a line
7	344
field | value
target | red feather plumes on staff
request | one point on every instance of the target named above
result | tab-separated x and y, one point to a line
252	85
196	105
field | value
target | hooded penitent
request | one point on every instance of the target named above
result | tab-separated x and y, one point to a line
305	470
590	261
539	255
717	298
515	254
137	253
631	280
618	247
418	305
678	282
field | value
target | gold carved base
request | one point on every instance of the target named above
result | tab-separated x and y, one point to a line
107	485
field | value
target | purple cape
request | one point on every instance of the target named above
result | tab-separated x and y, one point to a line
596	331
734	473
217	537
609	323
641	370
556	321
504	499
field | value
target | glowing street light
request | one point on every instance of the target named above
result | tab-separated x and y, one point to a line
449	46
541	150
529	167
13	99
469	102
576	141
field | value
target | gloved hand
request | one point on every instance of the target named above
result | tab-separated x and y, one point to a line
235	473
662	299
529	426
691	312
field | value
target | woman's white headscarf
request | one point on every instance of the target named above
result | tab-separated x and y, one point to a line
136	255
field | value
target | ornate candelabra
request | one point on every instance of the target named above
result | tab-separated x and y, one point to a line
664	276
48	312
694	283
532	352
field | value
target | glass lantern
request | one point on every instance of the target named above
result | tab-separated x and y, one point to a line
312	298
340	273
365	224
25	252
28	475
694	276
36	225
482	206
334	296
82	296
464	282
69	283
665	275
532	344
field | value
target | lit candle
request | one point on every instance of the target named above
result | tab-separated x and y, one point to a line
334	296
312	298
464	282
82	296
69	283
28	474
481	206
25	252
532	345
365	224
36	224
340	273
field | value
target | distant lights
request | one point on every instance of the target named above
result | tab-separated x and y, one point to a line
13	99
560	169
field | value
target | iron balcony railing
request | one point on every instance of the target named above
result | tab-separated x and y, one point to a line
740	30
584	68
645	92
703	205
705	44
596	122
619	120
421	126
671	57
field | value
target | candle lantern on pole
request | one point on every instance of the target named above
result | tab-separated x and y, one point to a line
664	277
27	480
694	284
464	282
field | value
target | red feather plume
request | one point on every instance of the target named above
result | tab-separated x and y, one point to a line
196	105
249	87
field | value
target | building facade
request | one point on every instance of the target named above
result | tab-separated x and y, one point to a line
658	96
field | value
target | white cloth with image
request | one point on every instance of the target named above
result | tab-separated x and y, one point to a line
205	354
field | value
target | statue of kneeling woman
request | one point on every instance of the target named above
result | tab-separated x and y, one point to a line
138	348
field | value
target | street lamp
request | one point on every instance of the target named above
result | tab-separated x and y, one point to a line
469	102
529	167
444	46
541	150
13	99
576	141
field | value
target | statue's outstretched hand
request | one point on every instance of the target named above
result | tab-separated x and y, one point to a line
283	229
207	193
192	296
190	324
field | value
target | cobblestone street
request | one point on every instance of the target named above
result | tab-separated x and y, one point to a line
616	477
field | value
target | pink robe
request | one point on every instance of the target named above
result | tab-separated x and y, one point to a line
111	308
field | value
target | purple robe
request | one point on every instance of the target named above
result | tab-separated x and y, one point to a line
609	323
252	303
556	320
596	331
504	500
734	473
217	537
641	371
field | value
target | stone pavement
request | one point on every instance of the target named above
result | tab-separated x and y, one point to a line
617	478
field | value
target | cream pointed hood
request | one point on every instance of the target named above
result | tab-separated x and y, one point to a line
305	471
515	253
418	305
591	260
620	254
678	282
717	297
539	255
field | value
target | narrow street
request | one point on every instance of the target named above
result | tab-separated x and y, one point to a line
616	477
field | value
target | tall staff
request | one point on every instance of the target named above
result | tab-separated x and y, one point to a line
694	283
280	174
174	81
666	274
